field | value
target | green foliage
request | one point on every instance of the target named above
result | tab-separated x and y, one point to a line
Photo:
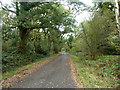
99	73
40	50
37	30
94	38
33	31
70	39
30	16
19	69
11	60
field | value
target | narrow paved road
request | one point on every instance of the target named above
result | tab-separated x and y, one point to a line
55	74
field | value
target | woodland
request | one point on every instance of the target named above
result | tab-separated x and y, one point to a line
35	30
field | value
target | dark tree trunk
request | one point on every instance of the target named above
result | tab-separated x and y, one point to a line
55	48
49	43
23	41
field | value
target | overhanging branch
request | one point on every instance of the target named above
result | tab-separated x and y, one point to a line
5	8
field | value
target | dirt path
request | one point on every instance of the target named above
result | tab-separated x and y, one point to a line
55	74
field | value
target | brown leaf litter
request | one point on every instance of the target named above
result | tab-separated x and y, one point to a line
75	73
5	83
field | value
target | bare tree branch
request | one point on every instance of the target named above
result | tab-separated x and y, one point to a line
5	8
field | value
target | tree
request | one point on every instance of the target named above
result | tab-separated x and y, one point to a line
94	36
32	15
70	39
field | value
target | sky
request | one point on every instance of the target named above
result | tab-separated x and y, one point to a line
80	18
84	15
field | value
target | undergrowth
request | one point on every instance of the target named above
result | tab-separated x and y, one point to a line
102	72
11	60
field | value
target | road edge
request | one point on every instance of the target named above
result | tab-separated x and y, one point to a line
6	83
74	72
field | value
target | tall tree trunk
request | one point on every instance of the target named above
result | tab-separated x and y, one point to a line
119	17
55	48
49	43
117	12
86	41
23	41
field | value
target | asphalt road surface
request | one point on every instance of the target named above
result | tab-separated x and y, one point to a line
55	74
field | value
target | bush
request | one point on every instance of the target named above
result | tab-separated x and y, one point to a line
108	50
11	60
40	50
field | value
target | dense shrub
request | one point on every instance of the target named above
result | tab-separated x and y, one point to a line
11	59
40	50
108	50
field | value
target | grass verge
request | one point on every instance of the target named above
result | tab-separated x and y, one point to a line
21	68
100	73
